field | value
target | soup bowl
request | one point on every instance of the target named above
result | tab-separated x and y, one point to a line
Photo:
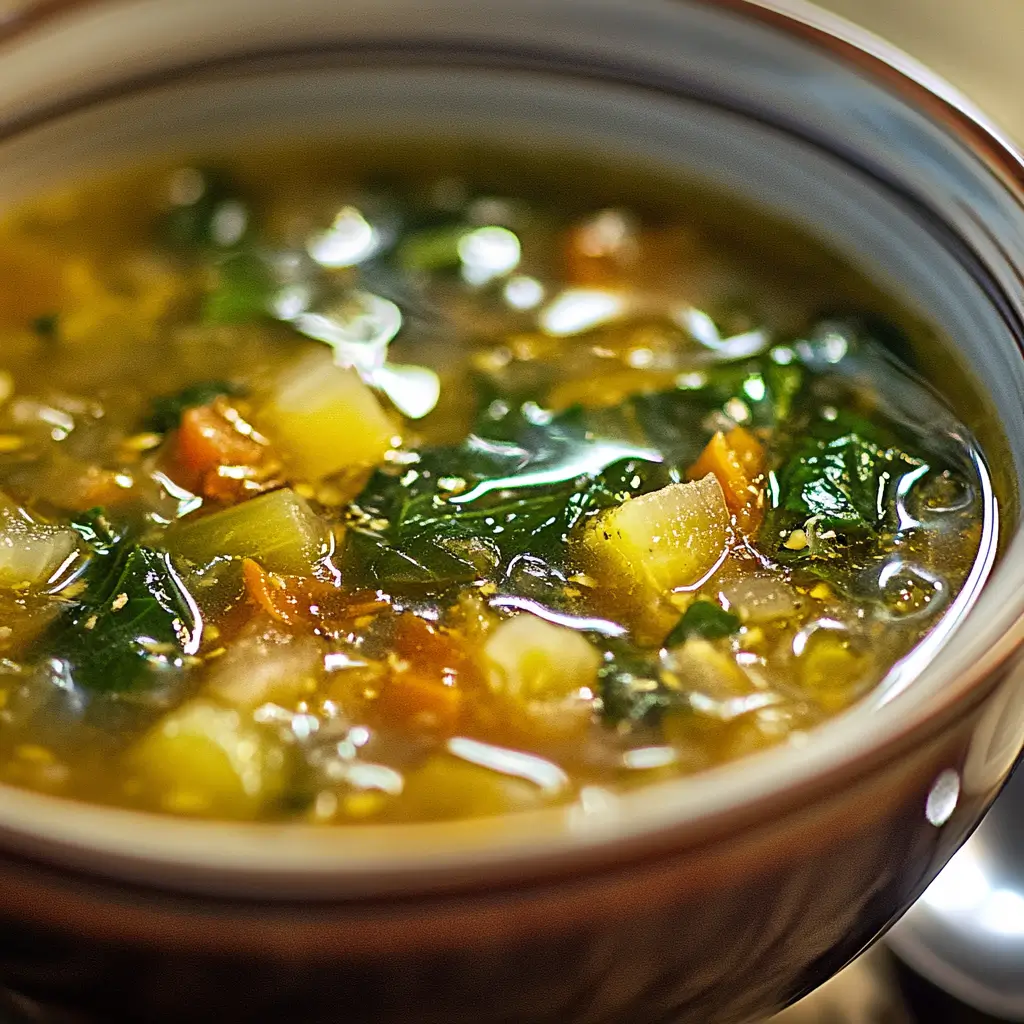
715	899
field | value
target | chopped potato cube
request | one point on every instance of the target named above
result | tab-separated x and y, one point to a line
30	552
548	672
279	529
326	418
206	760
446	786
658	542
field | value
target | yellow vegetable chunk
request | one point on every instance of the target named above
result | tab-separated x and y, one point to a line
547	672
209	761
325	419
831	670
446	786
30	552
658	542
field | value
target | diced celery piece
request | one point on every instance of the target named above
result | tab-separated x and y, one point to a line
324	419
660	541
30	551
279	530
209	761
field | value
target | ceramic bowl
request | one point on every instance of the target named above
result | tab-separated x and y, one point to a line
710	900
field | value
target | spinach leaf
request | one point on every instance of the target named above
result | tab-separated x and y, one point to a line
167	410
136	619
244	288
464	513
768	390
843	477
633	694
703	619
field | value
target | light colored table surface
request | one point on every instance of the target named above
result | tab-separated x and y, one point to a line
977	44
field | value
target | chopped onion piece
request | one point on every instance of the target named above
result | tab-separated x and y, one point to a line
31	553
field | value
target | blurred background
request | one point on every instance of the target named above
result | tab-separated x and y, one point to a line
974	43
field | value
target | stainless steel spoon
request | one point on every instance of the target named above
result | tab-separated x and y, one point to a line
966	933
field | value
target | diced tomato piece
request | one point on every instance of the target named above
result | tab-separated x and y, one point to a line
411	701
207	440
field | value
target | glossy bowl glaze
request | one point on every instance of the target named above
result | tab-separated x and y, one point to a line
710	900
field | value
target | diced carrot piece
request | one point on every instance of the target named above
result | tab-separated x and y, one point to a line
431	651
748	450
410	701
722	460
737	460
206	440
426	687
269	592
293	600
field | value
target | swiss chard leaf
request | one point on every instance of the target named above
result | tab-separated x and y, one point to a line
244	288
633	694
844	477
167	410
703	619
134	621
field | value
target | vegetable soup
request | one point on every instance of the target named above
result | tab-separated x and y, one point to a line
339	488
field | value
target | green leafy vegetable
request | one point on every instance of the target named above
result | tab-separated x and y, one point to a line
244	288
847	482
134	621
465	513
703	619
167	410
633	694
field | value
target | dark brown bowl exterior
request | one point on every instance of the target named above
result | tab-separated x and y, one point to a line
720	934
